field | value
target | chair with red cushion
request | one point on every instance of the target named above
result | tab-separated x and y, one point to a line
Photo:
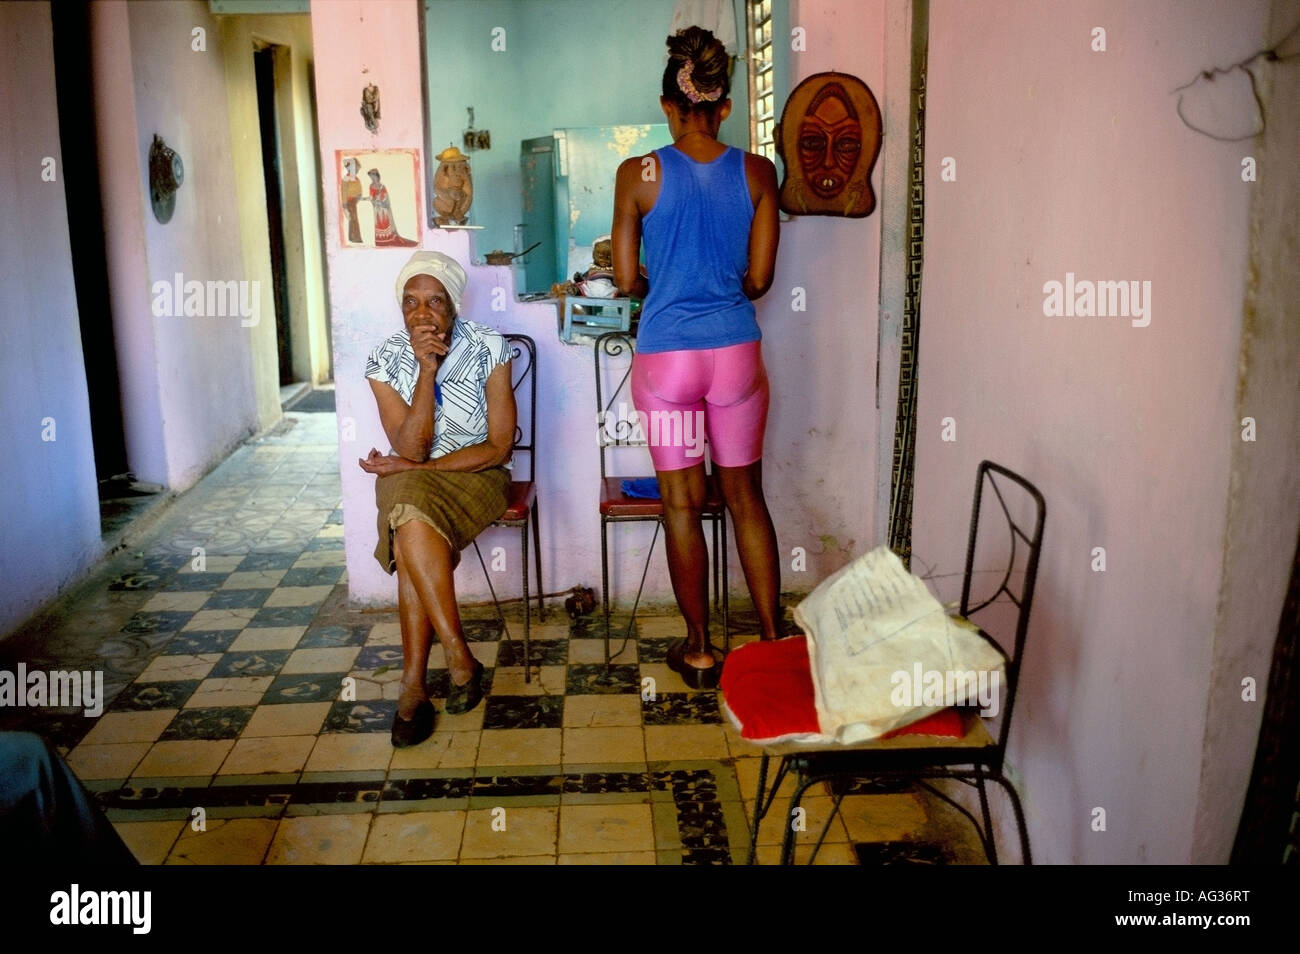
768	687
615	431
521	511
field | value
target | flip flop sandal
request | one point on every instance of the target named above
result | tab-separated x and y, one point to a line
413	731
464	698
694	676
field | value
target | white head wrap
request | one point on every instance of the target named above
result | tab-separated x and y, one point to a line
442	267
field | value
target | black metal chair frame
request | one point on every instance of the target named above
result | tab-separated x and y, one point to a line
521	346
612	345
975	760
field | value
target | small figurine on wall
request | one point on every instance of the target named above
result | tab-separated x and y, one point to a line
476	138
829	139
370	107
453	188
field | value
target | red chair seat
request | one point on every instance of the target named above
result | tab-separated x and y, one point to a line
521	496
768	688
615	503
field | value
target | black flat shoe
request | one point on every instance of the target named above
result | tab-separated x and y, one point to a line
464	698
693	676
413	731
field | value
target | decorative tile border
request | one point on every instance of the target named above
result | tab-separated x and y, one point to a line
691	795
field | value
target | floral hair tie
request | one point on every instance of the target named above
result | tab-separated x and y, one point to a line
692	92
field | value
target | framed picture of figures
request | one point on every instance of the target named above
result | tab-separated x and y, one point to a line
379	198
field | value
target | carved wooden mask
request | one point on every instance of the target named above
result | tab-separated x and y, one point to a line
829	139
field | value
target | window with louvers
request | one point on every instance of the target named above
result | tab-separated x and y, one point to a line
762	73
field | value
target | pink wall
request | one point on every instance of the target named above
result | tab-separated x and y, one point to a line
817	419
187	381
186	384
124	194
819	470
1265	485
204	364
50	530
1070	160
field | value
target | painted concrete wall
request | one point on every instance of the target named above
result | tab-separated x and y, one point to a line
539	82
311	350
821	431
250	194
204	367
1074	161
823	427
1264	489
124	194
310	344
188	386
50	531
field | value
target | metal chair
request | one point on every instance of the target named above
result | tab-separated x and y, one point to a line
617	428
976	758
522	510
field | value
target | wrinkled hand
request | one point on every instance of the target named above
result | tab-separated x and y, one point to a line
430	347
382	465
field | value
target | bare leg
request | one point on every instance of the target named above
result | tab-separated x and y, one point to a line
417	637
424	560
683	493
742	489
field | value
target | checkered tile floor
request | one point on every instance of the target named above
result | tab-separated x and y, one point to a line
244	685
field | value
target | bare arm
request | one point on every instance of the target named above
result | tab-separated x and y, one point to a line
500	442
493	452
626	233
409	426
764	230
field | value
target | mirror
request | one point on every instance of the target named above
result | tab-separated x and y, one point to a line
527	68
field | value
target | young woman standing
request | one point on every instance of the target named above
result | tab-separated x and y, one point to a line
707	213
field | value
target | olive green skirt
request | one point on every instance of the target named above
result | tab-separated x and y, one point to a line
459	506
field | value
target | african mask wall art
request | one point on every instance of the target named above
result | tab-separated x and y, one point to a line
829	139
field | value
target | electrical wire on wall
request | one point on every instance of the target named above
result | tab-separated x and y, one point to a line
1225	104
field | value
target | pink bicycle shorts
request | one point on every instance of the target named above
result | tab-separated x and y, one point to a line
681	396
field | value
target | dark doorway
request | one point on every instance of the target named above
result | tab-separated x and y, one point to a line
264	65
80	176
1268	833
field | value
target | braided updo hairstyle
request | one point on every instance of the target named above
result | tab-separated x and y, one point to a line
695	78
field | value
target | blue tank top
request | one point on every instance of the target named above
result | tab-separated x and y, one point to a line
697	250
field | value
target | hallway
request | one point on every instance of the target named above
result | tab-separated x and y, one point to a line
222	682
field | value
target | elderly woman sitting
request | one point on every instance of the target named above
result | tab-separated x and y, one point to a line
443	390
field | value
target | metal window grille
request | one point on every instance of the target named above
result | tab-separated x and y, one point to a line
762	95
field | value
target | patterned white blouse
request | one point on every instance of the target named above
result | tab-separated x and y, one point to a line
460	419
